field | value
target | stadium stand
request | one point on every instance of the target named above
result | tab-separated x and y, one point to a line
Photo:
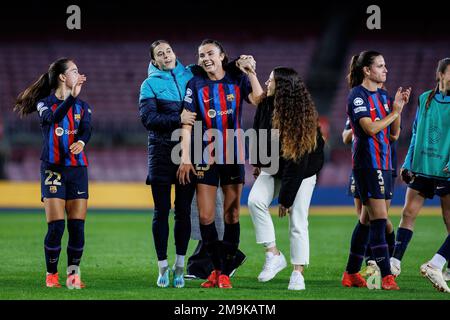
115	73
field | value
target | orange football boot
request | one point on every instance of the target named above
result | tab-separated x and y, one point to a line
353	280
52	280
212	279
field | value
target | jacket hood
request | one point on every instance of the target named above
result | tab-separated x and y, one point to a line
155	72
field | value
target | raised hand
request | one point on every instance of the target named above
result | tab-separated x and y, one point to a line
76	89
246	64
406	94
401	98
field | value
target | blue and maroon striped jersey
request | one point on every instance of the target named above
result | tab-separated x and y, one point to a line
63	123
219	106
369	152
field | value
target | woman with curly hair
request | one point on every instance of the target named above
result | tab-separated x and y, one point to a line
287	107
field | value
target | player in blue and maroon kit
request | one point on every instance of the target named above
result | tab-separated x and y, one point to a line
217	99
373	123
65	122
363	216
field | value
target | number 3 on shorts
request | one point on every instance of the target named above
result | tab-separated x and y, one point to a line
380	178
50	174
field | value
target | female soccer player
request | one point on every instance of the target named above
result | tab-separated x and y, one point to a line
289	108
217	99
65	123
361	231
373	122
160	107
426	170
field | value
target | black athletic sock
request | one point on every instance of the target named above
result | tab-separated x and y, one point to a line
368	255
358	245
390	239
377	242
212	244
76	241
52	244
401	243
230	246
444	250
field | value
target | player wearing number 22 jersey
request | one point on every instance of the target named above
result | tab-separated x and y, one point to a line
65	123
63	173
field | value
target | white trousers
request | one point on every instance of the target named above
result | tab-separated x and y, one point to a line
265	189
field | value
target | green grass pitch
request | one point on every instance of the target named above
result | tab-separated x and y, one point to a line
119	260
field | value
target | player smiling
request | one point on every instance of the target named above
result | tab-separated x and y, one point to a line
65	124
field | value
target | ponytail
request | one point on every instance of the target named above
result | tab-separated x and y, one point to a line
355	74
41	88
26	101
430	97
442	66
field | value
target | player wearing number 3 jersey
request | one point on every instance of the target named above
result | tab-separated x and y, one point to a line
65	123
373	123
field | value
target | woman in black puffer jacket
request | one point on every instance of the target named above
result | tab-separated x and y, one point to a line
289	108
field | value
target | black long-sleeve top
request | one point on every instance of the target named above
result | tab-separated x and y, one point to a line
290	172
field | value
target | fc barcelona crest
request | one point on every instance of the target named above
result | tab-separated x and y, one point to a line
230	97
200	175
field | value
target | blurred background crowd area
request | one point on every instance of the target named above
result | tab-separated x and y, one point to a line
112	49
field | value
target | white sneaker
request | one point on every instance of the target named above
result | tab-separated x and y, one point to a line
273	265
446	274
435	276
395	267
296	282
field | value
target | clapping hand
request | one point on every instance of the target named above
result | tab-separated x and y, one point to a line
77	86
246	64
401	98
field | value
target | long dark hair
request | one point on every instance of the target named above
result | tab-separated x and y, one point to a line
154	45
442	66
218	45
294	114
41	88
355	73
